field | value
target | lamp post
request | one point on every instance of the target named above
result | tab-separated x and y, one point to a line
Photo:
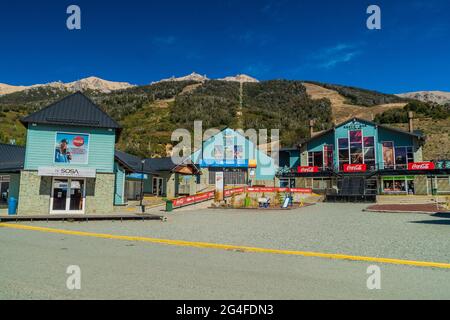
142	186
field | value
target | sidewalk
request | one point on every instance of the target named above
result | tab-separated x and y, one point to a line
407	208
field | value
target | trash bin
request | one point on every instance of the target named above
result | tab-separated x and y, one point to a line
12	206
169	206
434	192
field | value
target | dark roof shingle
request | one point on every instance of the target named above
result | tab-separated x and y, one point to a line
12	158
73	110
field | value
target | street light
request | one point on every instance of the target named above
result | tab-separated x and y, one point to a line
142	186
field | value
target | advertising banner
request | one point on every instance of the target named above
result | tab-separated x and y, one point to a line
308	169
71	148
355	168
270	189
388	155
421	166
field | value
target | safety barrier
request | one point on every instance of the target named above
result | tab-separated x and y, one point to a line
201	197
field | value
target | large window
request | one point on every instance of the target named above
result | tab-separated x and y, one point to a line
357	150
397	157
356	147
344	156
4	189
315	159
232	176
388	155
328	156
369	152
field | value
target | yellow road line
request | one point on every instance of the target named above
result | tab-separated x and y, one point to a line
230	247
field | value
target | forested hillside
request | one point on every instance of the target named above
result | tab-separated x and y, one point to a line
361	97
150	113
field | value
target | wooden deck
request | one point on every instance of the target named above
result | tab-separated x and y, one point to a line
82	217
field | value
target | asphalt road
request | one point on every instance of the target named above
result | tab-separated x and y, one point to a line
33	264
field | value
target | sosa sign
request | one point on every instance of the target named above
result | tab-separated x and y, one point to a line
66	172
421	166
355	167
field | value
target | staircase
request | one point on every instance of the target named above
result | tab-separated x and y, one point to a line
410	199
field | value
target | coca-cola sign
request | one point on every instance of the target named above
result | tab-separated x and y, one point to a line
355	167
421	166
308	169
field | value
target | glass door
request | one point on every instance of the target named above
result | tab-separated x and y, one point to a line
76	196
68	196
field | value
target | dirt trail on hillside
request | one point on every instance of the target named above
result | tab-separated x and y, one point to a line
343	111
165	102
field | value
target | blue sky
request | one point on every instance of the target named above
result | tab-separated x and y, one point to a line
142	41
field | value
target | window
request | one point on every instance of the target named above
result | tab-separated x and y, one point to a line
356	147
369	152
232	176
344	156
315	159
388	155
4	189
403	156
328	152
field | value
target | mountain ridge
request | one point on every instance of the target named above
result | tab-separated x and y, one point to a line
440	97
90	83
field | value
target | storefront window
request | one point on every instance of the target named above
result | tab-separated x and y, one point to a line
4	189
401	160
328	152
315	159
356	147
287	183
388	155
398	185
344	156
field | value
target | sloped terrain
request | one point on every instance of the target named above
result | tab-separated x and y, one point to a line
342	110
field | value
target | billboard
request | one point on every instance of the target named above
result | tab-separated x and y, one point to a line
71	148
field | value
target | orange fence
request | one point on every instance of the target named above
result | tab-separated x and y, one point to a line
201	197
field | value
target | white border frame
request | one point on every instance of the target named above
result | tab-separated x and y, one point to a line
69	187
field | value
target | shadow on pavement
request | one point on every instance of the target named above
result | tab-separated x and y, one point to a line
435	222
442	215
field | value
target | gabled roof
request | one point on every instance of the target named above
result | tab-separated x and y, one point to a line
12	158
130	162
160	164
166	164
73	110
416	134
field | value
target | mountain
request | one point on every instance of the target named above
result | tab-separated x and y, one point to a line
91	83
192	77
440	97
7	89
240	78
150	113
199	78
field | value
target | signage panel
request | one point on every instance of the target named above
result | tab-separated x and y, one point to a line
355	168
308	169
71	148
421	166
66	172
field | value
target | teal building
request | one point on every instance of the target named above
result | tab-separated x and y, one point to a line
238	157
362	158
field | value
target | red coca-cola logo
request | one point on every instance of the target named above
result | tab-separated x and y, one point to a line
421	166
78	142
308	169
355	167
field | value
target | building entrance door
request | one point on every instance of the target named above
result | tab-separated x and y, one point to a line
68	196
158	187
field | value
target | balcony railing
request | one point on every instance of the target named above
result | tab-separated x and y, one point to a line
440	165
